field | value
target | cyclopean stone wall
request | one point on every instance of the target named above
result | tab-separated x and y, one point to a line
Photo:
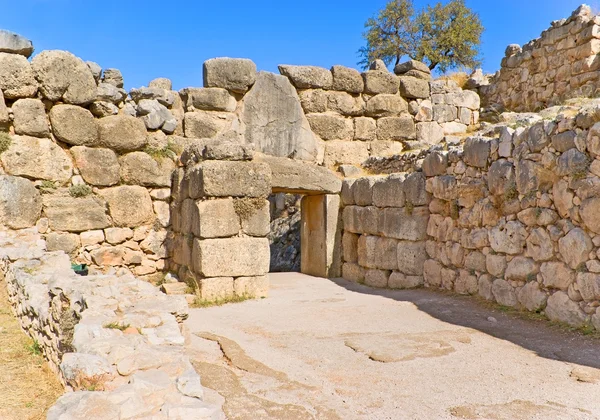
512	217
562	63
90	164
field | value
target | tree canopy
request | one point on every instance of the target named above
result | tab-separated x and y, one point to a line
443	36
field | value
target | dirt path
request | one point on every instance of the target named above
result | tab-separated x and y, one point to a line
318	349
27	386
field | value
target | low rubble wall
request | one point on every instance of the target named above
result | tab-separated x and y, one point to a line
114	340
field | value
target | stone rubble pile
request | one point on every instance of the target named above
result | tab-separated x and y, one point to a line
562	63
512	217
114	340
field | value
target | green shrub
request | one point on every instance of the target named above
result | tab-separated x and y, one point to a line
78	191
5	142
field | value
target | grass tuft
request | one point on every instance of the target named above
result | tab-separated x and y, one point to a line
117	326
157	154
203	303
410	207
5	142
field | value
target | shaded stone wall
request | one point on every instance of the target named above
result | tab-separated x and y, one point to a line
284	237
512	217
562	63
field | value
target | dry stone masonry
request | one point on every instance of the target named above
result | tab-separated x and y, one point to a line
562	63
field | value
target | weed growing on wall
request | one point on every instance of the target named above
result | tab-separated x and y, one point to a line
5	142
78	191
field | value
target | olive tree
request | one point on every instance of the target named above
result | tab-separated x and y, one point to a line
444	36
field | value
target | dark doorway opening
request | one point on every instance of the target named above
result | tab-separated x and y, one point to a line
284	238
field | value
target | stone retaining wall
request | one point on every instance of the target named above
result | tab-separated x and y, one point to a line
115	335
512	217
562	63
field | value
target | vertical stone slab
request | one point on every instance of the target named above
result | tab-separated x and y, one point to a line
320	236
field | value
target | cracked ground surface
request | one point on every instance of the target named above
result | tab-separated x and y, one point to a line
322	349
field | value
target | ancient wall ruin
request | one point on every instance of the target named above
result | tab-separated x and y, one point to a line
562	63
512	217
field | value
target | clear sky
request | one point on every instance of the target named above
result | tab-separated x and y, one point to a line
158	38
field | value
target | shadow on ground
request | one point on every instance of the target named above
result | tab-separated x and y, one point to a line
539	336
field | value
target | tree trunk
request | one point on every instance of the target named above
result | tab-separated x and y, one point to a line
433	66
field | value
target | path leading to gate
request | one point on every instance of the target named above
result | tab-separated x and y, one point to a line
335	350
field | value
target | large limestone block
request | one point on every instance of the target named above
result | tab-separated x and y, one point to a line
209	99
414	88
353	272
230	179
396	128
531	297
129	206
521	269
74	125
62	76
67	242
430	133
380	81
477	151
253	287
292	176
590	213
377	278
274	119
465	99
435	163
409	65
589	286
362	189
509	238
501	177
20	202
13	43
386	257
16	77
69	214
432	273
411	257
37	158
345	153
347	79
235	257
308	77
575	247
389	192
562	309
122	133
206	124
350	247
414	190
504	293
362	219
399	224
234	74
331	126
367	251
97	166
30	118
386	105
215	219
443	187
216	288
365	129
255	216
557	275
139	168
466	283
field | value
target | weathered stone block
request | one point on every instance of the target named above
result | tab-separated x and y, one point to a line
411	257
430	133
477	152
432	273
380	81
70	214
377	278
16	77
362	190
401	281
206	124
129	206
209	99
353	272
234	257
466	283
343	152
557	275
253	287
398	223
215	219
74	125
67	242
350	247
589	286
308	77
386	105
415	191
521	269
575	247
414	88
30	118
504	293
365	129
97	166
122	133
235	74
396	128
562	309
230	179
331	126
385	254
389	191
255	216
531	297
216	288
20	202
139	168
508	238
347	79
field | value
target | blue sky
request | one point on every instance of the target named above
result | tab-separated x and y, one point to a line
152	38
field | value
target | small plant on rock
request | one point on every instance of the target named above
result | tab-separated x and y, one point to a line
531	277
117	326
245	208
581	268
454	210
47	187
5	142
166	152
34	348
511	192
409	207
78	191
203	303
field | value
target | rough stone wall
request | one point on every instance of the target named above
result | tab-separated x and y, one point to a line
112	334
221	220
512	218
284	237
562	63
